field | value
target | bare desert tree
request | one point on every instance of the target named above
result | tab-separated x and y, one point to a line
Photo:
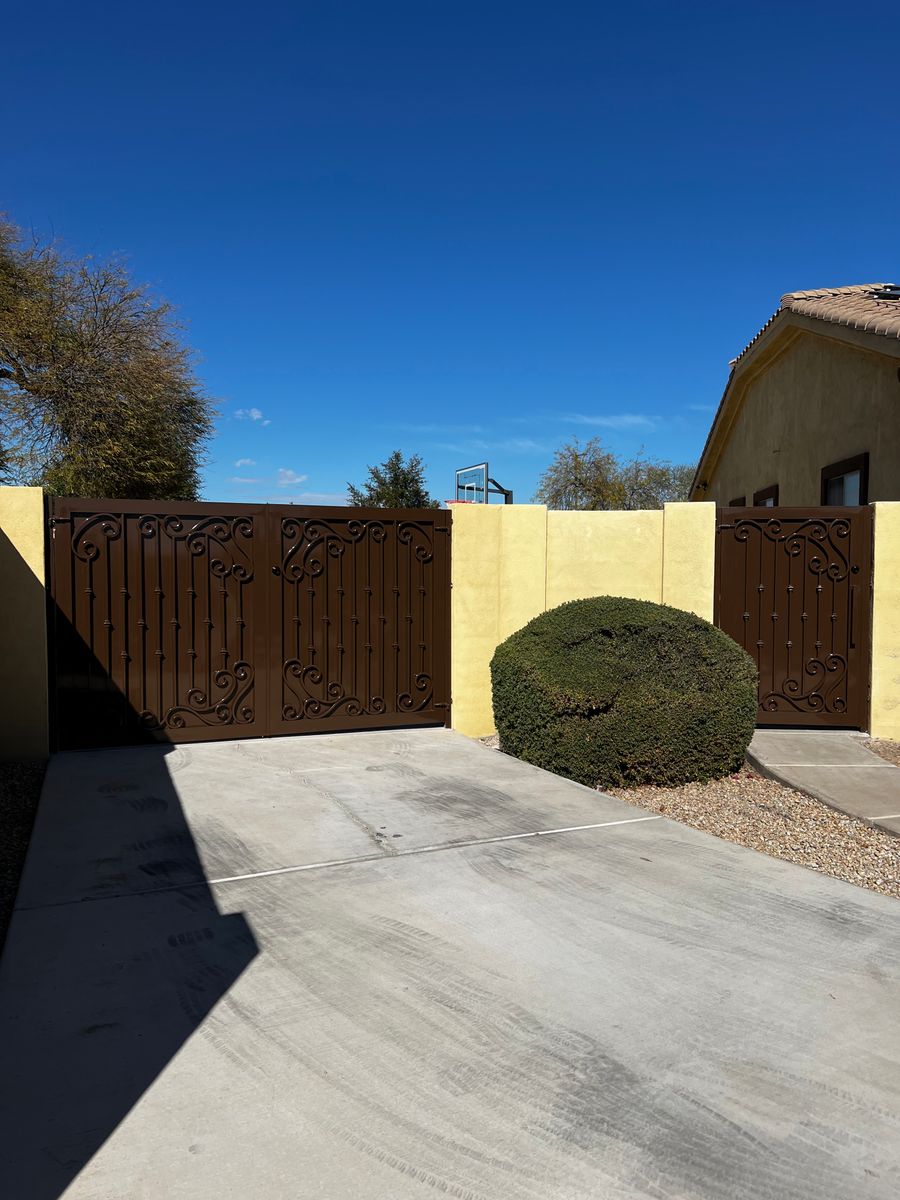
588	476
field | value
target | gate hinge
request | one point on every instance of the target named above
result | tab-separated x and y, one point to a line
54	521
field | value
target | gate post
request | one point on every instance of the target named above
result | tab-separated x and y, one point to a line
885	695
689	557
24	717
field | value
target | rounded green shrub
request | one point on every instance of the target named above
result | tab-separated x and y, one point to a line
612	692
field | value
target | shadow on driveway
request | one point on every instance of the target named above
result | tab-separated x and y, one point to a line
102	981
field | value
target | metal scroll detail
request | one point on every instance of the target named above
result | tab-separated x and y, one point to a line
315	540
816	698
827	559
304	683
215	537
407	702
229	707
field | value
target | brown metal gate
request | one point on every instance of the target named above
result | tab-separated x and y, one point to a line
195	622
793	587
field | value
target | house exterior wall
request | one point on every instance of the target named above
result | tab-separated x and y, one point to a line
818	402
512	562
24	716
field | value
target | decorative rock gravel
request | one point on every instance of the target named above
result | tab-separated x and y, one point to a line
752	811
884	749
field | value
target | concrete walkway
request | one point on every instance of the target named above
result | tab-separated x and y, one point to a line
401	966
834	766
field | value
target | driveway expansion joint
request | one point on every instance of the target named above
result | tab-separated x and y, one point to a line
301	868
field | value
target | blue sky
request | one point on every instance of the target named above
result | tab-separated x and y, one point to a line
467	230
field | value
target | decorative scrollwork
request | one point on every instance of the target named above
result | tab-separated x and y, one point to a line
406	702
408	531
815	698
84	545
300	681
220	538
313	539
816	534
229	708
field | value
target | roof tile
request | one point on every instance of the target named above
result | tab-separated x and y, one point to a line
855	307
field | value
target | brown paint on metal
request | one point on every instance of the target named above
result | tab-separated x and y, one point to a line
793	587
195	622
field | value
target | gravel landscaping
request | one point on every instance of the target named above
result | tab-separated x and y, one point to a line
764	815
20	787
884	749
757	812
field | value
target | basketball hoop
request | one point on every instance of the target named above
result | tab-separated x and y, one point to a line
474	485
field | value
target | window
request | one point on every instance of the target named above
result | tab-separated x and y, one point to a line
766	497
738	502
846	482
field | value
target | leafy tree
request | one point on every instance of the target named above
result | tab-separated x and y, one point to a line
97	394
589	476
396	483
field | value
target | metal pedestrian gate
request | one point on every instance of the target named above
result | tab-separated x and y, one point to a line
194	622
793	587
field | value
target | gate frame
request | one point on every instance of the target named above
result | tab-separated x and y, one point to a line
59	511
815	512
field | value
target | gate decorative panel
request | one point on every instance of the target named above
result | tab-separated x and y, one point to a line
159	618
360	621
793	589
191	623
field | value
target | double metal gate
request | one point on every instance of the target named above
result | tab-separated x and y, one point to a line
194	622
793	587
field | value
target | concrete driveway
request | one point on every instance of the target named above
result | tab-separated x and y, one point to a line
342	966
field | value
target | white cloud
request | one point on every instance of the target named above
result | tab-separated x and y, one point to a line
331	499
245	462
252	414
287	477
477	447
242	479
613	421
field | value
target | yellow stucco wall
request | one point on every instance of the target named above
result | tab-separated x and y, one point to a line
23	626
604	554
885	696
818	402
511	562
499	567
689	558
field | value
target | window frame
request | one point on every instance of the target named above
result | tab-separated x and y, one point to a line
857	462
764	494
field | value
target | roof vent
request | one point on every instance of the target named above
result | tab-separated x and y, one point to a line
887	291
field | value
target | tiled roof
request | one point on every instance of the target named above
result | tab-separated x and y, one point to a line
863	306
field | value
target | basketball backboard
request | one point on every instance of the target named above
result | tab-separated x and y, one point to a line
472	484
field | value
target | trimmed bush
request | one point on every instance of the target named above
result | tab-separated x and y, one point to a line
612	692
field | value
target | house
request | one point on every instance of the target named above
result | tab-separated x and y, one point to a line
811	411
